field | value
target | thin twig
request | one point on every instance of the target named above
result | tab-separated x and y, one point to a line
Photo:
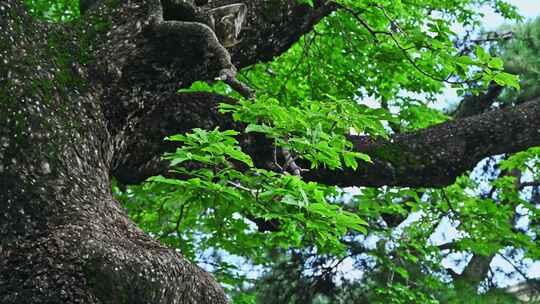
404	50
523	274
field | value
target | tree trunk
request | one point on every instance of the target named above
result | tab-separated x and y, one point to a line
64	239
91	100
69	98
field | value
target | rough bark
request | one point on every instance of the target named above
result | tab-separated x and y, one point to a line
83	102
69	96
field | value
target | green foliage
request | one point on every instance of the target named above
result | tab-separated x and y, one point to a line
221	193
316	131
520	56
367	69
54	10
244	299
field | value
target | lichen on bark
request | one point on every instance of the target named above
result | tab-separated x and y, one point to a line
89	100
72	98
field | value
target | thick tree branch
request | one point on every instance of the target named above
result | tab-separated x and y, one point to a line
435	156
273	26
148	50
475	271
139	153
432	157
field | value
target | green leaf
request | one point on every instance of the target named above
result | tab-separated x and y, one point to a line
350	160
240	156
161	179
496	63
259	128
402	272
506	79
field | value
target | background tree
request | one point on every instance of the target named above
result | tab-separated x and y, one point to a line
89	101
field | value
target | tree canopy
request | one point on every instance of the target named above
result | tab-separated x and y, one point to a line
312	146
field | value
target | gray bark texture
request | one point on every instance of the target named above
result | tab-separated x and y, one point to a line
71	98
83	102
